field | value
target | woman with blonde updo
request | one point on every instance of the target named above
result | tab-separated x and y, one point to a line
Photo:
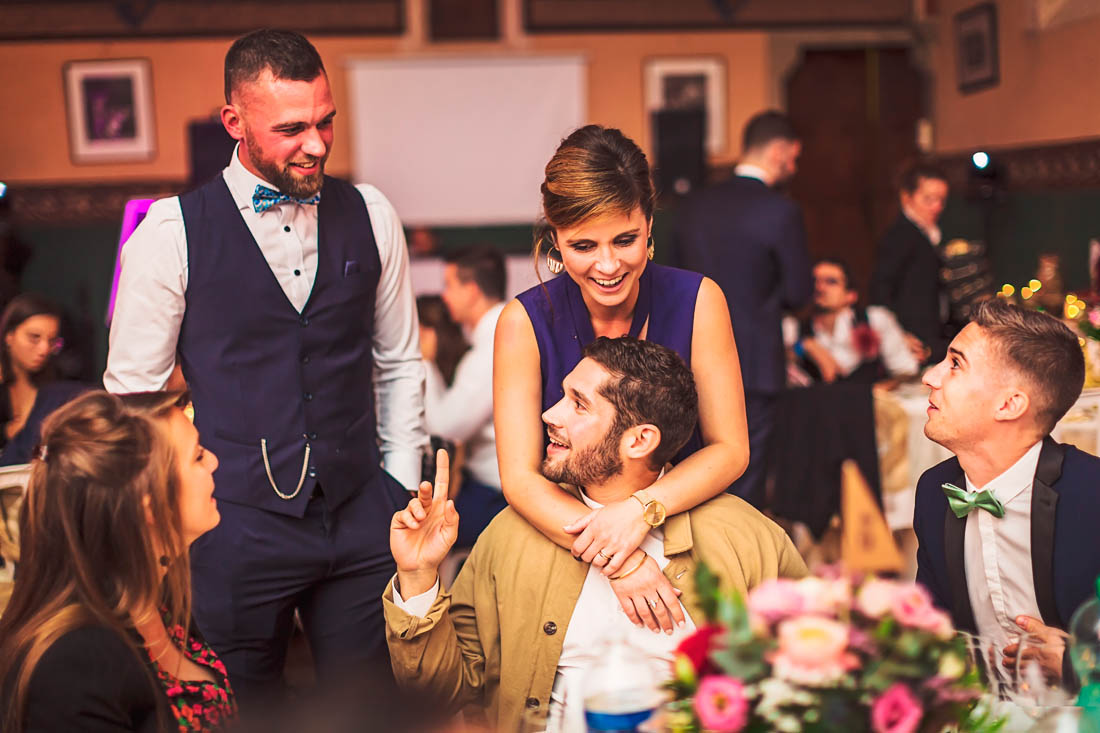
598	202
97	633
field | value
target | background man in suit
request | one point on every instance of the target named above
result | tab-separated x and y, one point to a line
285	294
751	241
1020	509
906	278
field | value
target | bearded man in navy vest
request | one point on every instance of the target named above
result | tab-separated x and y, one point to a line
284	294
1009	528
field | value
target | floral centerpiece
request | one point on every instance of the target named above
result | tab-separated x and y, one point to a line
824	654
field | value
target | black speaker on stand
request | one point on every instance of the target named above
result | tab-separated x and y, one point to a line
680	136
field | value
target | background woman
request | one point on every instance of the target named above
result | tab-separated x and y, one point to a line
96	633
598	202
29	340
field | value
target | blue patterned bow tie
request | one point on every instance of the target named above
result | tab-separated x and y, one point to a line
264	198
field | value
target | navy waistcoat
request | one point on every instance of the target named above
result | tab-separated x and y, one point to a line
267	380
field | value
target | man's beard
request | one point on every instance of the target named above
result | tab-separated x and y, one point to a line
588	467
288	183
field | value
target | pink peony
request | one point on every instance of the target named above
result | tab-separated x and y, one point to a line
775	599
876	597
721	705
825	597
896	711
812	651
912	606
1094	317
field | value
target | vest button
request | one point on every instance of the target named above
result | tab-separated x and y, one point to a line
550	628
305	358
532	702
286	229
304	321
308	396
313	436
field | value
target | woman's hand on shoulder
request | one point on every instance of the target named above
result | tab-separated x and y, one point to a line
647	597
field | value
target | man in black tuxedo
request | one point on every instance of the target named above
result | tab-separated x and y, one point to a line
906	277
1009	529
750	240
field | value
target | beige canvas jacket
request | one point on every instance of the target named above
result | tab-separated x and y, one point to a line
494	640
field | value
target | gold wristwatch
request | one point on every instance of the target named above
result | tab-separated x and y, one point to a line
653	511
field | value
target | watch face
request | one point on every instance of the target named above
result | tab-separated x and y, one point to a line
655	514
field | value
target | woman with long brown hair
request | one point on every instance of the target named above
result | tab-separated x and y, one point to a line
96	635
598	201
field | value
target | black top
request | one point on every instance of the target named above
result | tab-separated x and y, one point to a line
91	680
51	396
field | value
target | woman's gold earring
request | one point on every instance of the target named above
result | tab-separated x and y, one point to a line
649	250
554	265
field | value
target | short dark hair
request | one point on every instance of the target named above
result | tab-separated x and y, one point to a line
1040	348
650	384
915	172
288	54
844	268
483	264
766	127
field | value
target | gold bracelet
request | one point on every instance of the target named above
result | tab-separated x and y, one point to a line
628	572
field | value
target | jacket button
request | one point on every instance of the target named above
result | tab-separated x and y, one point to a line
304	321
532	702
305	359
550	628
308	396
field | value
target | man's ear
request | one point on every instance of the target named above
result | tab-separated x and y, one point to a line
233	121
640	441
1012	404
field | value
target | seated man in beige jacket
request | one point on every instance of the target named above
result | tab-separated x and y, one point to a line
522	621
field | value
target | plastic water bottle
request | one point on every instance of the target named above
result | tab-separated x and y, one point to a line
1084	648
621	689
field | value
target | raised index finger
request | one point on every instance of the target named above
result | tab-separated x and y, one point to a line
442	475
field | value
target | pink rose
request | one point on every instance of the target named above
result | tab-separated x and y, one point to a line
825	597
912	606
896	711
812	651
876	597
721	705
1094	317
775	599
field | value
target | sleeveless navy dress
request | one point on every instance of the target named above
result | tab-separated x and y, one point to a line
563	326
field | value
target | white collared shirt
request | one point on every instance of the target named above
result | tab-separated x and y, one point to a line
930	230
151	302
748	170
997	554
463	413
896	356
596	617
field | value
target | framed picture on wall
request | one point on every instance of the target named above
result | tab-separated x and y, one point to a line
110	110
976	48
690	82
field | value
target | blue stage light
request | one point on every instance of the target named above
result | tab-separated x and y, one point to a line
980	160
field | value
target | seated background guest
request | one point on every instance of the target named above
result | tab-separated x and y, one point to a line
96	635
629	406
1019	509
29	340
441	341
840	340
462	413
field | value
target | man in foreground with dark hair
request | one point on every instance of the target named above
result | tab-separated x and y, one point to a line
1008	528
906	278
523	619
750	240
285	294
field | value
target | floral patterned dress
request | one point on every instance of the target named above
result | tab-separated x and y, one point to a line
198	705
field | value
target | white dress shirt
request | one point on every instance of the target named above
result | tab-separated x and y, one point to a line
463	413
997	553
596	617
748	170
895	354
930	230
151	303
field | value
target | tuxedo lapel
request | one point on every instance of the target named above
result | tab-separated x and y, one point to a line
954	535
1044	502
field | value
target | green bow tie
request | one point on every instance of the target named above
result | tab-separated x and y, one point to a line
962	502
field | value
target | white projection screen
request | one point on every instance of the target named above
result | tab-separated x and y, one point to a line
462	141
